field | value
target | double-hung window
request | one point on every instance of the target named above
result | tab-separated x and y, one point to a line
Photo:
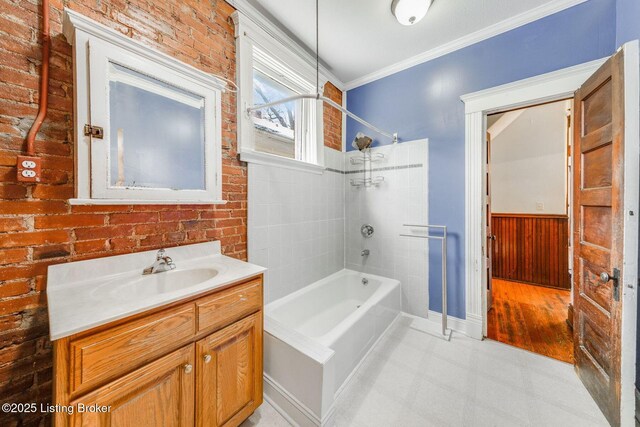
288	134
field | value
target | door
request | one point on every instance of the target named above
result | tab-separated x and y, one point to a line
490	236
158	394
229	384
603	217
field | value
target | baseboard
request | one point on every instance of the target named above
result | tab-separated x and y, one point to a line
471	326
291	409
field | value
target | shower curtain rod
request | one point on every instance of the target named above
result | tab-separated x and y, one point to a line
392	136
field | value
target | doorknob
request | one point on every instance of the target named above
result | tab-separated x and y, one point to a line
605	277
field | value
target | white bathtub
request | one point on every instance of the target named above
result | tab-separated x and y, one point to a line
317	336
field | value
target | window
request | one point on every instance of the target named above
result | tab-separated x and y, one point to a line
274	126
288	134
153	123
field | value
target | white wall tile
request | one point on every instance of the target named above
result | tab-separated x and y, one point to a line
401	198
296	224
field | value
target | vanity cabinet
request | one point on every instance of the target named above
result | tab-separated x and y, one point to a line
193	362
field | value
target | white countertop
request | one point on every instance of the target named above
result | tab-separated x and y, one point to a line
85	294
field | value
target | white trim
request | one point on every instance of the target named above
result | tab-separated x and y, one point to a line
501	27
266	25
261	158
73	21
94	45
542	88
552	86
143	202
630	251
344	122
248	35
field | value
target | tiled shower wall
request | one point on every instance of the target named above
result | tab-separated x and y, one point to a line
304	226
400	199
296	224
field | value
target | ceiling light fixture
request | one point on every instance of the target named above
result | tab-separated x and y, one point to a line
409	12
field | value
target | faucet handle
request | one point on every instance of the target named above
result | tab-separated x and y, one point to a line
160	254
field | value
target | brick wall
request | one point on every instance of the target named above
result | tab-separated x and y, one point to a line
37	226
332	118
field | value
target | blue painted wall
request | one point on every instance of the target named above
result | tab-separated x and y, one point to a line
627	21
424	102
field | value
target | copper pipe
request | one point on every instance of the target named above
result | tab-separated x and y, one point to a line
44	80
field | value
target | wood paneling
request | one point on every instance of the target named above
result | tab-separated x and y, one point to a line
531	248
531	317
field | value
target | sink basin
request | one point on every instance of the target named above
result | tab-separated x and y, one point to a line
154	284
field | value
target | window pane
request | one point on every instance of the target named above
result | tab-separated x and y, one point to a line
157	133
275	126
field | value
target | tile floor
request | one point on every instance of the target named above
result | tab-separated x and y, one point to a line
414	379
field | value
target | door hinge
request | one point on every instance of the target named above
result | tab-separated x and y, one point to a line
93	131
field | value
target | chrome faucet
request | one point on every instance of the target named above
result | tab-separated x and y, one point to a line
365	252
161	264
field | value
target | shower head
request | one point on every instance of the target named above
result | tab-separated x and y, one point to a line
361	141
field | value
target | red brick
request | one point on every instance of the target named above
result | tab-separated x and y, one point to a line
88	246
178	215
12	224
13	305
10	256
69	221
52	251
103	232
133	218
32	207
33	238
15	288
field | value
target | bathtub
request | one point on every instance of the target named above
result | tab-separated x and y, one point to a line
317	336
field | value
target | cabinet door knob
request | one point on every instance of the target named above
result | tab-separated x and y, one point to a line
188	368
207	358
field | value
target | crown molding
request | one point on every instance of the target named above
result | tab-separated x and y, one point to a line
468	40
266	25
74	21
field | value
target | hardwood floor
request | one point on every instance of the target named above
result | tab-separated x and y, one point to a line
531	317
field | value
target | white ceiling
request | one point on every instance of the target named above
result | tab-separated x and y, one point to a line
361	37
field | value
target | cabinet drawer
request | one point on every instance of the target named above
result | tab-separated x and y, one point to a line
227	306
110	353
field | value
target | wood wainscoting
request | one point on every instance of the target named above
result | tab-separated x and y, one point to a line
531	248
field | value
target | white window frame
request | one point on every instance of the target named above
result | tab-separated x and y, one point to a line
289	69
94	47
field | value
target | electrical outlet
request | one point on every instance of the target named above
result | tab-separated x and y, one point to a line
29	169
540	206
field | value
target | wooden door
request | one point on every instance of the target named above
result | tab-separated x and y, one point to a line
159	394
599	221
229	383
490	236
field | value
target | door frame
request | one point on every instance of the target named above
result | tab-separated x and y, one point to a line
540	89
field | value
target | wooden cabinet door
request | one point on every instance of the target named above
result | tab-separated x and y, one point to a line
159	394
229	366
